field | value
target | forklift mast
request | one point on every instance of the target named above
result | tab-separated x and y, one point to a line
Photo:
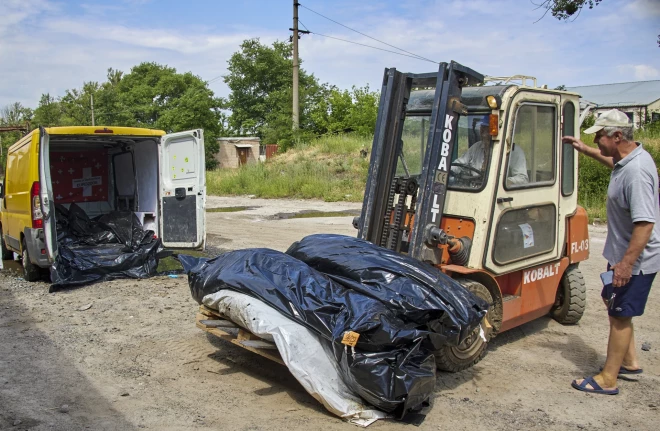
413	225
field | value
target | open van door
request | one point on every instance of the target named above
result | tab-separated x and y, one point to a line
46	196
183	190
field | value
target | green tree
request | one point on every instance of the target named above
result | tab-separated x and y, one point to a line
48	113
156	96
13	115
109	108
364	110
566	9
76	105
261	92
150	96
347	111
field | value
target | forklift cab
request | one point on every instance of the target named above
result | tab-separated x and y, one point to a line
474	179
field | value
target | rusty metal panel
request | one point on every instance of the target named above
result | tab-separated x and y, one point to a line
271	150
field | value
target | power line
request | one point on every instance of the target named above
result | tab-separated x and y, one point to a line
303	24
374	47
412	54
214	79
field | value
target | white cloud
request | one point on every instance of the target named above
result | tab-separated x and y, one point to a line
146	38
54	50
13	12
644	72
644	8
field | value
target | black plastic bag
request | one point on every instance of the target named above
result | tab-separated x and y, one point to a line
74	227
126	227
105	248
417	292
84	264
388	366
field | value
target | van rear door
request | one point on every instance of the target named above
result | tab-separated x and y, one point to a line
183	190
46	196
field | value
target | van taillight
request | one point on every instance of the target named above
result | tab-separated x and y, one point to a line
37	216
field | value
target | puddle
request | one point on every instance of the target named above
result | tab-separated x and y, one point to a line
314	213
229	209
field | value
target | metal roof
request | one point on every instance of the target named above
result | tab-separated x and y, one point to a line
640	93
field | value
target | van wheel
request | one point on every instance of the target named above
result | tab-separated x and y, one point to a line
31	272
473	348
6	253
571	297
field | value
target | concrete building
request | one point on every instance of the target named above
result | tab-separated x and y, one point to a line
639	100
235	152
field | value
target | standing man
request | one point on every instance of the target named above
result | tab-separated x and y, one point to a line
632	247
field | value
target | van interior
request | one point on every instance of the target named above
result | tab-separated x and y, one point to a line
102	174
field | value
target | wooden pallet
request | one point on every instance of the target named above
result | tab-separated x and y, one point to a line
215	323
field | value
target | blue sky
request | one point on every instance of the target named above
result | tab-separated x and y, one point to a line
52	45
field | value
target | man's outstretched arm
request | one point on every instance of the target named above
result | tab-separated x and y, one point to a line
592	152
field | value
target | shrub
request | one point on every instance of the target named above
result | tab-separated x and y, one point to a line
329	168
593	177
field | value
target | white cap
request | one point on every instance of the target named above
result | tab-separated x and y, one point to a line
611	118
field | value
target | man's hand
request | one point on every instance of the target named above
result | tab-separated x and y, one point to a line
579	146
592	152
622	274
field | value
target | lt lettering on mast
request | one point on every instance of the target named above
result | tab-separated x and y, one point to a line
442	166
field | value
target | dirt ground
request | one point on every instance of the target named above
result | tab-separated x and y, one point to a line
126	355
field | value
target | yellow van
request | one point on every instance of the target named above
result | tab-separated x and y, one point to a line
158	176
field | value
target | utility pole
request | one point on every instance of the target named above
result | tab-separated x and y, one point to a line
296	66
91	98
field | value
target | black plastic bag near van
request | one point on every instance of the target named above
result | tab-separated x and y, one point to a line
416	292
388	367
108	247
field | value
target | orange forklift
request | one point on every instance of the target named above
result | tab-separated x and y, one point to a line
472	177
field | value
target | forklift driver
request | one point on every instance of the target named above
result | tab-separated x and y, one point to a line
471	165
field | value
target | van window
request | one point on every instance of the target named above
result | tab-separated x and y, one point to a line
183	160
533	147
567	151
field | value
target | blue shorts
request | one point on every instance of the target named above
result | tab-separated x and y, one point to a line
628	300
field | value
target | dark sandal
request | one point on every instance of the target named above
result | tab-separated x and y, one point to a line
595	387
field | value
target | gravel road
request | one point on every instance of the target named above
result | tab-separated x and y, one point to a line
126	355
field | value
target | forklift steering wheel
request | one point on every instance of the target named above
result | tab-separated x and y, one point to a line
470	168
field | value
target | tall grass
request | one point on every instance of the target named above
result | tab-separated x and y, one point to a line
593	177
328	168
333	168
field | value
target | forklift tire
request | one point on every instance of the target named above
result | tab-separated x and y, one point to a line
473	348
571	297
6	254
31	272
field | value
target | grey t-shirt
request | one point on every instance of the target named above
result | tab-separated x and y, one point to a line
632	196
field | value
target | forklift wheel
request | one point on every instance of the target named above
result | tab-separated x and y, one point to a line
473	348
571	297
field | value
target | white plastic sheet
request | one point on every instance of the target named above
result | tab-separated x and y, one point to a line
308	359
